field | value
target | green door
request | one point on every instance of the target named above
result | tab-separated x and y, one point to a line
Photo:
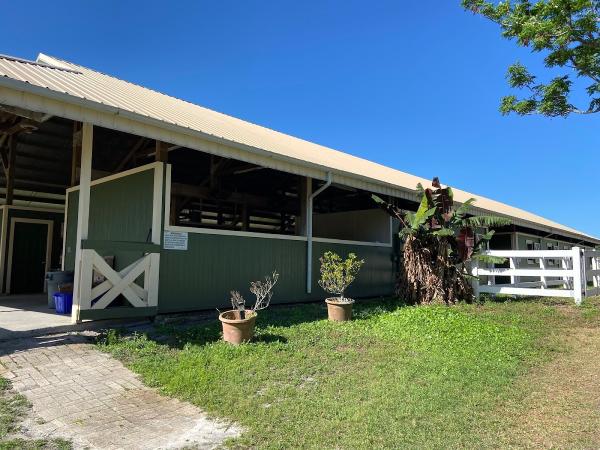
28	258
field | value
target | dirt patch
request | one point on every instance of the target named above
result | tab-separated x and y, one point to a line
562	409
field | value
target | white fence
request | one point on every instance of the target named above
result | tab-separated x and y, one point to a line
571	273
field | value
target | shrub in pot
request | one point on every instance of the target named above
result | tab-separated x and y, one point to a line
238	323
336	275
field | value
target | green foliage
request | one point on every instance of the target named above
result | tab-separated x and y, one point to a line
392	378
437	217
438	242
568	33
338	274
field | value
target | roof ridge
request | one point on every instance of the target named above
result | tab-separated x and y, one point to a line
35	63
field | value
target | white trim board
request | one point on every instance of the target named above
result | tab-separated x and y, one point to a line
123	174
49	236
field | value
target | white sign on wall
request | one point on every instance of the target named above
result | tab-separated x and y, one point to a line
175	240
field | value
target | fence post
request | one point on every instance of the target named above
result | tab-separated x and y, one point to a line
543	279
595	266
475	280
577	275
512	263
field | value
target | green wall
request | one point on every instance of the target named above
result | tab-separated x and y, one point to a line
201	277
120	210
213	265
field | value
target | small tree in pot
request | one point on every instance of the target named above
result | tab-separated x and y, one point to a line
336	276
238	323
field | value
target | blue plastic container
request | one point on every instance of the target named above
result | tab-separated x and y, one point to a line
63	302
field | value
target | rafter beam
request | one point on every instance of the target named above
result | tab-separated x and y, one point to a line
22	126
21	112
138	145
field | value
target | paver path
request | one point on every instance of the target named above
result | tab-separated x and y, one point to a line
86	396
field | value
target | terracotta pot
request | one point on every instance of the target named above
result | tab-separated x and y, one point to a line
236	330
339	311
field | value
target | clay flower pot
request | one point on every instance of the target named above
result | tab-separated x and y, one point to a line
339	311
236	330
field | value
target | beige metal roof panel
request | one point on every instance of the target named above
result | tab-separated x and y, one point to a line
86	84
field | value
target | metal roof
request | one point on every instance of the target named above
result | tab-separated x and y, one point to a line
81	84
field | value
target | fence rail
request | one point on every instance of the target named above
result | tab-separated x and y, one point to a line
571	273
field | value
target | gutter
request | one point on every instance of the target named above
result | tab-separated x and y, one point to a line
309	232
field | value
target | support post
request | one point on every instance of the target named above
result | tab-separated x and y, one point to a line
162	151
10	174
304	191
83	272
3	243
577	268
75	152
309	229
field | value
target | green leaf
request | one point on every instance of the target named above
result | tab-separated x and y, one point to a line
487	221
444	232
489	259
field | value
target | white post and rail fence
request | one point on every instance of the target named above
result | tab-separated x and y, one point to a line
571	273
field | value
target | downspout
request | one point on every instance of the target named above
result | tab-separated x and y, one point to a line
309	231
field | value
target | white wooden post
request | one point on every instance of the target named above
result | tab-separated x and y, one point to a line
577	286
543	279
81	289
475	280
595	277
564	263
512	263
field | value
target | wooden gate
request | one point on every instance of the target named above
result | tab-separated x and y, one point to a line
137	283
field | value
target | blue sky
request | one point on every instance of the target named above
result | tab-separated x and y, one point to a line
413	84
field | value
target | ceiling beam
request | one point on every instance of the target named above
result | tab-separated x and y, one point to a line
23	125
21	112
137	146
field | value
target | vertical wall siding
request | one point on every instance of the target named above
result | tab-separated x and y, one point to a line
213	265
120	210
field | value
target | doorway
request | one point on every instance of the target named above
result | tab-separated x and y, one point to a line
29	255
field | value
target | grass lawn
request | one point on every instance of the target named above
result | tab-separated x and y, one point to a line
396	376
13	407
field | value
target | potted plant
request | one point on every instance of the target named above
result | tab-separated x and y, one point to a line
336	276
238	323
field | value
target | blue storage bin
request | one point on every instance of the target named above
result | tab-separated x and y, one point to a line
63	302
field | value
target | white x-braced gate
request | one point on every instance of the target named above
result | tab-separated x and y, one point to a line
571	273
123	282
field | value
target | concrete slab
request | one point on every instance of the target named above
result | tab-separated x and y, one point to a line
24	316
19	313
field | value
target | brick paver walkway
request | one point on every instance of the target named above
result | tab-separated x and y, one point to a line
86	396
